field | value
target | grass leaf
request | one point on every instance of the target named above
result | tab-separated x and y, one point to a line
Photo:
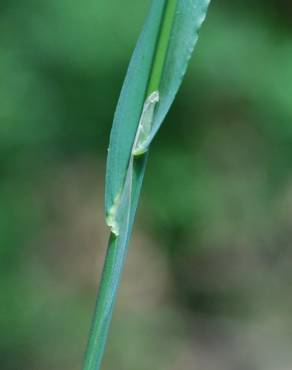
154	75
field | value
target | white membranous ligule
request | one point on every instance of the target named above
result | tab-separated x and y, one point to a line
145	124
120	211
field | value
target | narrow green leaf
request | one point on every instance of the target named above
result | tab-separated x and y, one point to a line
189	16
130	104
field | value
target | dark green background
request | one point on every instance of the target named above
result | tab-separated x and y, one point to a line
208	280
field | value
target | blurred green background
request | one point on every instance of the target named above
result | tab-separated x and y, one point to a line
208	279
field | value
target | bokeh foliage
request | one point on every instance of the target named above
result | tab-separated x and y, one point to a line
217	197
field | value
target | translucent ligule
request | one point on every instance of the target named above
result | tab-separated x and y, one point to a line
145	124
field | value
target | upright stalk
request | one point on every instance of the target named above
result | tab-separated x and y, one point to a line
161	47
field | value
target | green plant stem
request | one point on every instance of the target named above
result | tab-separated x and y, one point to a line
112	269
117	246
104	306
162	46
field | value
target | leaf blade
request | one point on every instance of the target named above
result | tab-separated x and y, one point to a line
188	19
162	52
130	104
